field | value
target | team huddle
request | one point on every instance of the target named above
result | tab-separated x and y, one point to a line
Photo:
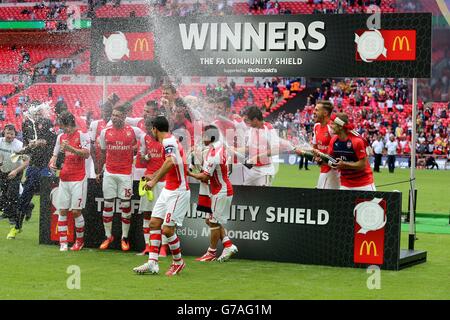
121	149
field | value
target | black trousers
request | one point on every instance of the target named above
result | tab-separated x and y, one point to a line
31	185
303	159
377	163
10	195
391	163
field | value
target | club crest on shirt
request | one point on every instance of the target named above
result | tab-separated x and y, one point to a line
128	134
169	149
349	144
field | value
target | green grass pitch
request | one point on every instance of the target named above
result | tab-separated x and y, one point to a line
32	271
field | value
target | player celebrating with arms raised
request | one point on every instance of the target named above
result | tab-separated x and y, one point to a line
72	189
173	202
216	172
350	152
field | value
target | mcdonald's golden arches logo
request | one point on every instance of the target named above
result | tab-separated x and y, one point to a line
140	42
368	246
400	41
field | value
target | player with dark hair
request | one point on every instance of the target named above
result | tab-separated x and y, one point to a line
216	172
117	143
349	150
173	202
95	129
168	97
72	189
151	152
260	140
150	111
141	166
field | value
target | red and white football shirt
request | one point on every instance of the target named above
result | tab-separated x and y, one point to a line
322	137
176	178
151	147
140	164
74	166
95	129
215	167
261	142
119	144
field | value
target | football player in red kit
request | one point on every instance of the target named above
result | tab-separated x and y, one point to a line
117	142
349	150
173	203
328	178
215	171
72	189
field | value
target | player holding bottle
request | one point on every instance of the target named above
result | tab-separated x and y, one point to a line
350	151
328	178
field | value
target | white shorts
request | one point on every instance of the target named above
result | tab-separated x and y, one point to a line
328	180
253	177
117	186
172	206
237	174
145	204
90	169
71	195
138	173
220	207
369	187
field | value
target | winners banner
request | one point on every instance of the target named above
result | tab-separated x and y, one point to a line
319	45
307	226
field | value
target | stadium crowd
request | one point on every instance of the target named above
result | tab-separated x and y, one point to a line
378	107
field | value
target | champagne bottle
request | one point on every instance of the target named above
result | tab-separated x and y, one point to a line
308	155
327	158
60	160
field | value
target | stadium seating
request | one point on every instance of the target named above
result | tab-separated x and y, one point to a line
138	106
302	7
122	11
14	12
9	63
90	95
84	66
6	88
